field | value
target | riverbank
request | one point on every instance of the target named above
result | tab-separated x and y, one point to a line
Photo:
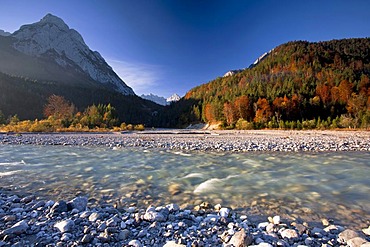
27	221
199	140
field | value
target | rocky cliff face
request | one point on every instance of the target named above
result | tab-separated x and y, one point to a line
51	37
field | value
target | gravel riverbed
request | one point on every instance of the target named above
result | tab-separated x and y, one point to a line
219	141
26	220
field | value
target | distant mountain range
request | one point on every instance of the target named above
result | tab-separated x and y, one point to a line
47	57
161	100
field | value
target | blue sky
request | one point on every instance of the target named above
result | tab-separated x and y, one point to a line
168	46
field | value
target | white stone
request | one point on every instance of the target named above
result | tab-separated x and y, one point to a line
224	212
289	233
346	235
151	215
94	216
276	220
135	243
366	231
355	242
173	244
173	207
264	244
241	239
263	225
65	225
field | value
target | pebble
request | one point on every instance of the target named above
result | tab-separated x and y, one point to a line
224	212
325	222
8	218
346	235
79	203
94	216
241	239
366	231
173	244
174	189
17	229
59	207
276	220
152	215
87	238
135	243
65	225
355	242
289	234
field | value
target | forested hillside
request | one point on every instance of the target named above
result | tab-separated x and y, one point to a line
298	85
27	98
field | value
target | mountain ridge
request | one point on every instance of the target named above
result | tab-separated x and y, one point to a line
161	100
154	98
52	38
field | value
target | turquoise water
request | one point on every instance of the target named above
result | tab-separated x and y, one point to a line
332	184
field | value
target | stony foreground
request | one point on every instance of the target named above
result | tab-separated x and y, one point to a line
219	141
25	221
28	221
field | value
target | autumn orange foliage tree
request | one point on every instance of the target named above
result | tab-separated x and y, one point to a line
263	111
230	113
58	107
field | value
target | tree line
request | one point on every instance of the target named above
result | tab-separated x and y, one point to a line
62	115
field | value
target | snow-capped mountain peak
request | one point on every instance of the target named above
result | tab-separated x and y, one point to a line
173	98
52	19
161	100
51	35
155	98
232	72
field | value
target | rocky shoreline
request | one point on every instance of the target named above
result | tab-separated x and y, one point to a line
197	140
28	221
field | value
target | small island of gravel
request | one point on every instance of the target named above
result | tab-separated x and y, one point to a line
199	140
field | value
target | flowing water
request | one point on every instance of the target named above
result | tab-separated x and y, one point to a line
335	184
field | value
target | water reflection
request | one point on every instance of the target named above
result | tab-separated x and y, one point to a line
292	182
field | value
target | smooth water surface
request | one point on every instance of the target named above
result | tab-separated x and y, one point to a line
326	183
